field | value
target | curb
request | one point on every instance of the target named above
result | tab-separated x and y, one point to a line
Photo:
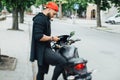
105	29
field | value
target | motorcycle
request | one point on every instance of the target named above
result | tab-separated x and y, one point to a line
76	67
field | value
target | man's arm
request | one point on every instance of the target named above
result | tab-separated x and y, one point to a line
46	38
38	28
49	38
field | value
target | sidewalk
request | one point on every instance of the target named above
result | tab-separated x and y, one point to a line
114	28
16	44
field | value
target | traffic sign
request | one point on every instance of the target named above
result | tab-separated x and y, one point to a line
76	6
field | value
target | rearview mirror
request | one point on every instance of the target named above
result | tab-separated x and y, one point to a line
72	33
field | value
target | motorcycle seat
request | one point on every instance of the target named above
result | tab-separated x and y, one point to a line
68	52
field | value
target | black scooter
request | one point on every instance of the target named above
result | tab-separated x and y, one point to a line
76	68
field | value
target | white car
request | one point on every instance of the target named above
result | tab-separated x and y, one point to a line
114	19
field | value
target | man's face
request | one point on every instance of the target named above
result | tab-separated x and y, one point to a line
51	13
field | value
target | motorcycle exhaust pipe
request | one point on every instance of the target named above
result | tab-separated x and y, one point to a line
71	78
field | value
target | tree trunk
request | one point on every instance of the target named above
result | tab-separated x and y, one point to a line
1	6
0	55
60	9
21	11
98	14
15	19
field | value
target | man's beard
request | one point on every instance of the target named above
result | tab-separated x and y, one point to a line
49	15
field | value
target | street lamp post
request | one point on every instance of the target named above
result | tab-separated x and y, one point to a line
76	7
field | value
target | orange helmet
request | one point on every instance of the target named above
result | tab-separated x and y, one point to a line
52	5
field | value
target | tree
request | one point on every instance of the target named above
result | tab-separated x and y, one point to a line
1	7
17	5
41	2
59	2
69	6
82	7
116	3
101	5
23	6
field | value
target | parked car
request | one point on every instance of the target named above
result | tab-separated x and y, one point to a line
114	19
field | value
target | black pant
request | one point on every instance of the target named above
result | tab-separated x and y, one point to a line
54	59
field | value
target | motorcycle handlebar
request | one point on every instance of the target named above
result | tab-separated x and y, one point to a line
73	41
78	40
65	40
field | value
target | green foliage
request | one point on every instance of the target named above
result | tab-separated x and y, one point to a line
40	2
10	4
1	7
116	3
70	4
104	4
28	10
119	9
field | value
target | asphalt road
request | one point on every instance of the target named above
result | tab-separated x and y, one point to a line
100	48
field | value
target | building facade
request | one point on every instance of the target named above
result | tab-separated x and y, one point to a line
91	12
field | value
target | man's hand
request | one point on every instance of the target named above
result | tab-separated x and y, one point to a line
55	38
